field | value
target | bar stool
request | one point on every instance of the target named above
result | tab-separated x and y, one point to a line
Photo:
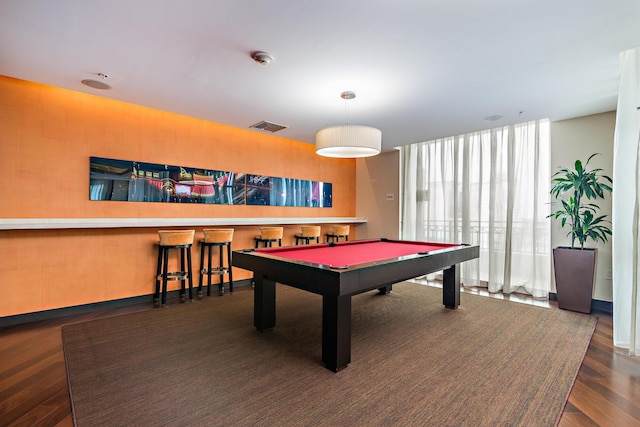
220	238
309	232
173	239
338	232
268	236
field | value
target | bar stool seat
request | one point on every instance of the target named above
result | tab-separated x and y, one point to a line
182	241
309	232
339	231
268	236
220	238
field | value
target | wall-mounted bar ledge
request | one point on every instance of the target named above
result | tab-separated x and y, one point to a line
66	223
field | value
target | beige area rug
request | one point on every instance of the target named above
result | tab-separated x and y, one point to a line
413	362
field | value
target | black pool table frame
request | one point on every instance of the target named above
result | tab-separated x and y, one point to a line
337	286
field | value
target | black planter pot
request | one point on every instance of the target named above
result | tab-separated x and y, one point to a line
575	272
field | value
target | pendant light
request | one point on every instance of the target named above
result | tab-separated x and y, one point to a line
348	141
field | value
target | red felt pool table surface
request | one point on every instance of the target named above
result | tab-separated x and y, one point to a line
353	253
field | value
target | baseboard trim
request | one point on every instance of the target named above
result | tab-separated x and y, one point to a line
597	306
21	319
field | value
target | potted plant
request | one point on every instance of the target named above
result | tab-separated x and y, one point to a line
574	266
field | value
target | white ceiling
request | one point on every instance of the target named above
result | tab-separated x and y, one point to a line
420	69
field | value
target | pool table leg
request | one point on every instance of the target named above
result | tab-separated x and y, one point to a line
385	290
336	331
264	303
451	287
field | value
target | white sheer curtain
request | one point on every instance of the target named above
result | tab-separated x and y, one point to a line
490	189
626	207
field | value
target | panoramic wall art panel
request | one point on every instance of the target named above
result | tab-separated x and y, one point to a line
275	191
126	180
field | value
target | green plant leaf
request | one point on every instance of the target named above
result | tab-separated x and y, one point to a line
570	188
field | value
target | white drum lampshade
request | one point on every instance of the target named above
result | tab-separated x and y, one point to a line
348	141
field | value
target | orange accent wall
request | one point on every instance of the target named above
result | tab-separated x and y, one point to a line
47	135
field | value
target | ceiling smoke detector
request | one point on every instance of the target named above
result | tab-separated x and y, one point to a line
262	58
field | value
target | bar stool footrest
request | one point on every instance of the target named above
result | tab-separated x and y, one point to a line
175	275
215	270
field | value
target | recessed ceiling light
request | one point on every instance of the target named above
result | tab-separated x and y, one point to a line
494	117
97	84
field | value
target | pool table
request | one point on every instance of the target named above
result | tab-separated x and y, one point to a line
339	270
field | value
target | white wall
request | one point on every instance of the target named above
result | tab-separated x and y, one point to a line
377	196
577	139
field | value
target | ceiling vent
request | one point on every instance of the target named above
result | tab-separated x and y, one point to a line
268	126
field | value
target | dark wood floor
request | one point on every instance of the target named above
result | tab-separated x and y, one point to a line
33	386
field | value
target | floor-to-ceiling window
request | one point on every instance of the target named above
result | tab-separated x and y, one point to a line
488	188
